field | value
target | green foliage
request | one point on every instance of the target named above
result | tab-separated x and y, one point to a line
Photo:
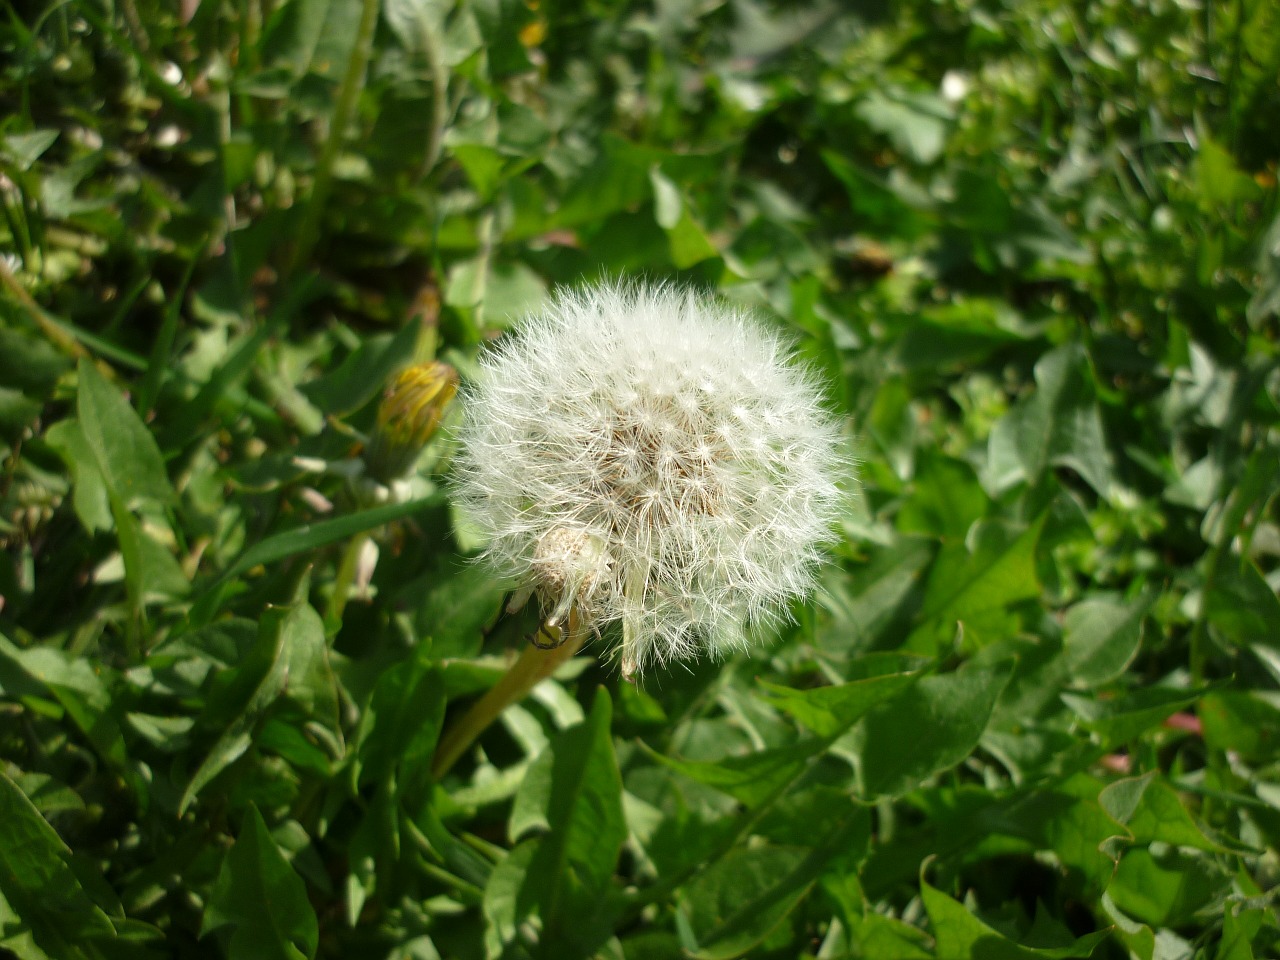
1033	249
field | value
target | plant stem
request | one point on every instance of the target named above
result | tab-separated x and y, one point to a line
533	666
343	580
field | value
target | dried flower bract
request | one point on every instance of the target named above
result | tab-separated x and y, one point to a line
652	456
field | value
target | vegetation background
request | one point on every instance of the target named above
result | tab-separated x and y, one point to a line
1034	249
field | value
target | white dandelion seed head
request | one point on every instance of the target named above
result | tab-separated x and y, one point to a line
654	456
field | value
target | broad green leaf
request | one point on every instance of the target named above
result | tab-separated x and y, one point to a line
362	373
260	897
89	493
972	590
452	607
885	938
830	711
39	882
1102	638
916	123
572	795
931	726
24	149
572	791
868	603
125	450
1153	812
1245	722
1137	937
1060	425
1238	930
151	572
509	899
1166	889
962	936
1118	721
401	724
1242	607
310	682
737	901
945	501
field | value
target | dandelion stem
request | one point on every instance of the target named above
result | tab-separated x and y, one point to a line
345	578
534	665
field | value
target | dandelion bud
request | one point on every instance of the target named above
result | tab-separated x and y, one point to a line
411	410
650	457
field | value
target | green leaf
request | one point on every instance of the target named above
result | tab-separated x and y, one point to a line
1167	889
916	123
362	373
508	900
962	936
1242	607
123	447
571	797
40	883
1121	720
89	494
1102	638
830	711
973	589
311	683
573	792
235	708
737	901
307	537
400	726
930	727
260	897
1153	812
79	686
24	149
750	779
1060	425
946	499
885	938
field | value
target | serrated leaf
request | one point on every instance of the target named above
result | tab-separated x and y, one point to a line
962	936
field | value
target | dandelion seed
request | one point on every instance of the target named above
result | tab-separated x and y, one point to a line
650	456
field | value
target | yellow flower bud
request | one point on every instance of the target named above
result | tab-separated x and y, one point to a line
411	410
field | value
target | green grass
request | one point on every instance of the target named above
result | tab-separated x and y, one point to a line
1032	248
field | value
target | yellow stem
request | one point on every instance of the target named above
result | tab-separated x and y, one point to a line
533	666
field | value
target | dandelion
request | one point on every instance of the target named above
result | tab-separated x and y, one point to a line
650	457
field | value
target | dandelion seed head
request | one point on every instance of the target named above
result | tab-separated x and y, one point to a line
657	457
